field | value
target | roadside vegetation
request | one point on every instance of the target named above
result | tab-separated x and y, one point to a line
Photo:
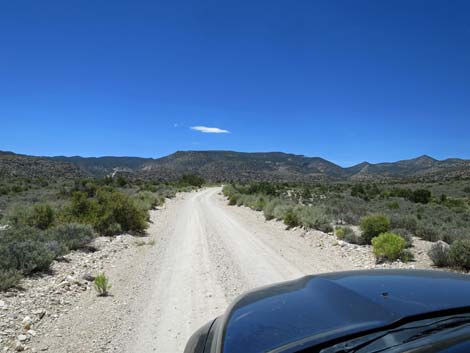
41	221
385	215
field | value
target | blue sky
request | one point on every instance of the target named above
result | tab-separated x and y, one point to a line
345	80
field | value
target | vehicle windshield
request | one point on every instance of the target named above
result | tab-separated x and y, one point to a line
440	333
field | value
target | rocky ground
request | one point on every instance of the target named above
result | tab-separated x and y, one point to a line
200	253
29	312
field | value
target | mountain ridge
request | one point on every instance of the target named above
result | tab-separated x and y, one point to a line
226	165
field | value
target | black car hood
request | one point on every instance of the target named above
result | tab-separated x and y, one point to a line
325	307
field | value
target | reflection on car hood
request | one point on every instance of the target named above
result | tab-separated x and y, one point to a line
333	305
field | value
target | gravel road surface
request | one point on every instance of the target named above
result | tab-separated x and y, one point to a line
205	254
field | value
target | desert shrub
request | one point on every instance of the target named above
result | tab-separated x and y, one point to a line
281	210
439	254
314	217
191	180
147	200
291	219
101	284
348	235
371	226
72	236
262	188
9	278
428	232
42	216
388	246
467	189
232	200
25	249
18	215
405	234
110	212
407	222
117	208
459	254
394	205
269	208
421	196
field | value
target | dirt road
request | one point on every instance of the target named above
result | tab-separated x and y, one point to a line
206	253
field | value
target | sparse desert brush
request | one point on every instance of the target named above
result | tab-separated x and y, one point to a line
101	284
439	254
459	254
348	235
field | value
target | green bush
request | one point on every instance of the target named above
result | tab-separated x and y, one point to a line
439	254
459	254
42	216
371	226
191	180
388	246
110	212
102	285
9	278
291	219
421	196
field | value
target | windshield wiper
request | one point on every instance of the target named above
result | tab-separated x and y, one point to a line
401	335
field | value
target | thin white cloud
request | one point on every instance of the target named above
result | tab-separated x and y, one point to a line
210	130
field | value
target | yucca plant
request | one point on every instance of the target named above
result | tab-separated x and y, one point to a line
102	285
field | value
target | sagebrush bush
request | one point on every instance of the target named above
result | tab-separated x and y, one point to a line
9	278
439	254
405	234
269	208
72	236
25	249
291	219
407	222
42	216
372	226
110	212
101	284
459	254
388	246
314	217
428	232
348	235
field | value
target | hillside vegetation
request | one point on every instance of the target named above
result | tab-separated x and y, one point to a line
437	212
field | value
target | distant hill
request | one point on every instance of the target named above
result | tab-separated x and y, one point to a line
21	166
232	166
102	166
